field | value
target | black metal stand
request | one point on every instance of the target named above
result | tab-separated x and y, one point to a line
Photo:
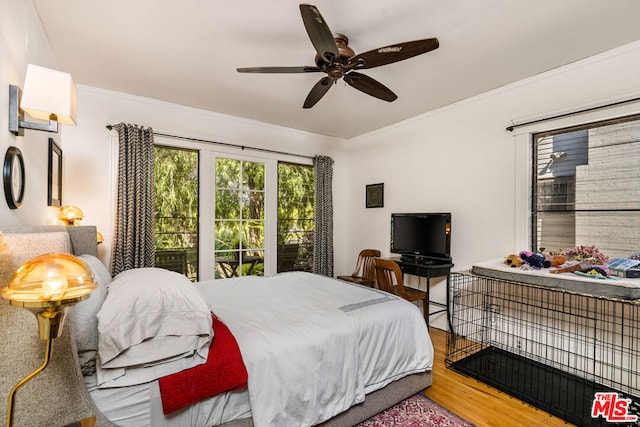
429	271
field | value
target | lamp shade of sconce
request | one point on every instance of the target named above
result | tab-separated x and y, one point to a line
47	285
48	95
48	92
70	214
99	237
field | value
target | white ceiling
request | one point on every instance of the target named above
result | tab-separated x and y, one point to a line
187	51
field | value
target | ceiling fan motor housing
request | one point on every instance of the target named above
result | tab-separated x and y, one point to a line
344	51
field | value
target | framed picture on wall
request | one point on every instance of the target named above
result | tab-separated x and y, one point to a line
375	195
13	177
54	192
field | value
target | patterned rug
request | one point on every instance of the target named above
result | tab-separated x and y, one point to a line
416	411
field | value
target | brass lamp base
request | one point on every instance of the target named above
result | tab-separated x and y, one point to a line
47	357
49	326
50	323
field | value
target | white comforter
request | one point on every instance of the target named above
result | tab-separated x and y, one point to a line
332	343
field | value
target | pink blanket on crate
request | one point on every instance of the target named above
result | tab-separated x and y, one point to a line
223	371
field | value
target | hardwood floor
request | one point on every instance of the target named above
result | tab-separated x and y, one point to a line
477	402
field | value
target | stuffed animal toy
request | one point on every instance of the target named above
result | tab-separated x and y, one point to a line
556	260
513	261
535	261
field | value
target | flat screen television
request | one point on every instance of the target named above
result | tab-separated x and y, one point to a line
421	237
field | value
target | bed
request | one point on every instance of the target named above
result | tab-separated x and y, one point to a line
344	352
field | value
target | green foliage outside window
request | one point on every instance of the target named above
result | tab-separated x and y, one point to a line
176	206
296	213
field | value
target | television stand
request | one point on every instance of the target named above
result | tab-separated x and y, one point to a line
428	268
424	260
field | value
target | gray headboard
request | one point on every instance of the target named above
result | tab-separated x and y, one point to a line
83	238
57	396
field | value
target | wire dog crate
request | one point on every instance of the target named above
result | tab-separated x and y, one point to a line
548	347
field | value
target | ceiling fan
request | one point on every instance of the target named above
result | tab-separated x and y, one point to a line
335	58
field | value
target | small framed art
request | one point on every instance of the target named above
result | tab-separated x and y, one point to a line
375	195
54	193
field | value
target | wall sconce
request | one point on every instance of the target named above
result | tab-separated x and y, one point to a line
48	95
99	237
558	155
70	215
47	286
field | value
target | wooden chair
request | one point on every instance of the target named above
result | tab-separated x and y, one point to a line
364	273
172	259
389	278
288	257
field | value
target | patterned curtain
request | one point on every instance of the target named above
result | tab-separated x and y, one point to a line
133	242
323	237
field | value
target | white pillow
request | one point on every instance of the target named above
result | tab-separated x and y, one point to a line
83	316
152	316
133	375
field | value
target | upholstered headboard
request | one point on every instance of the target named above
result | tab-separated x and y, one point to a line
57	396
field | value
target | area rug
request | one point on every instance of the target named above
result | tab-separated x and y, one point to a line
416	411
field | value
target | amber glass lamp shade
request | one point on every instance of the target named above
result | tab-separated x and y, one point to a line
47	285
70	214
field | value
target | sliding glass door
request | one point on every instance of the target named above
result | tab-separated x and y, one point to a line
221	215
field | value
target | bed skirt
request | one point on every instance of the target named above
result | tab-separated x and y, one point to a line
374	402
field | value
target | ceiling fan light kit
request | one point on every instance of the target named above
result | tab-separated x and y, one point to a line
335	58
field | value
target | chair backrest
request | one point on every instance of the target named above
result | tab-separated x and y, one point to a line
287	256
388	275
172	259
365	267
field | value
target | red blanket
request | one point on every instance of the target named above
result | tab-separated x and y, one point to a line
223	371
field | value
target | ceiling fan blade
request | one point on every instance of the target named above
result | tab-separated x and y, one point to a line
318	91
369	86
390	54
319	33
302	69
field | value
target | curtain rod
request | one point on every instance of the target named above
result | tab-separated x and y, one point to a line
573	113
225	144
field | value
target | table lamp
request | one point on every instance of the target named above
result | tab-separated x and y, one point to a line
47	286
70	214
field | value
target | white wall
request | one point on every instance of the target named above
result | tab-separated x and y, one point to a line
23	41
460	159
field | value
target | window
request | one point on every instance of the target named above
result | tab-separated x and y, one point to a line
239	224
296	223
176	187
586	187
